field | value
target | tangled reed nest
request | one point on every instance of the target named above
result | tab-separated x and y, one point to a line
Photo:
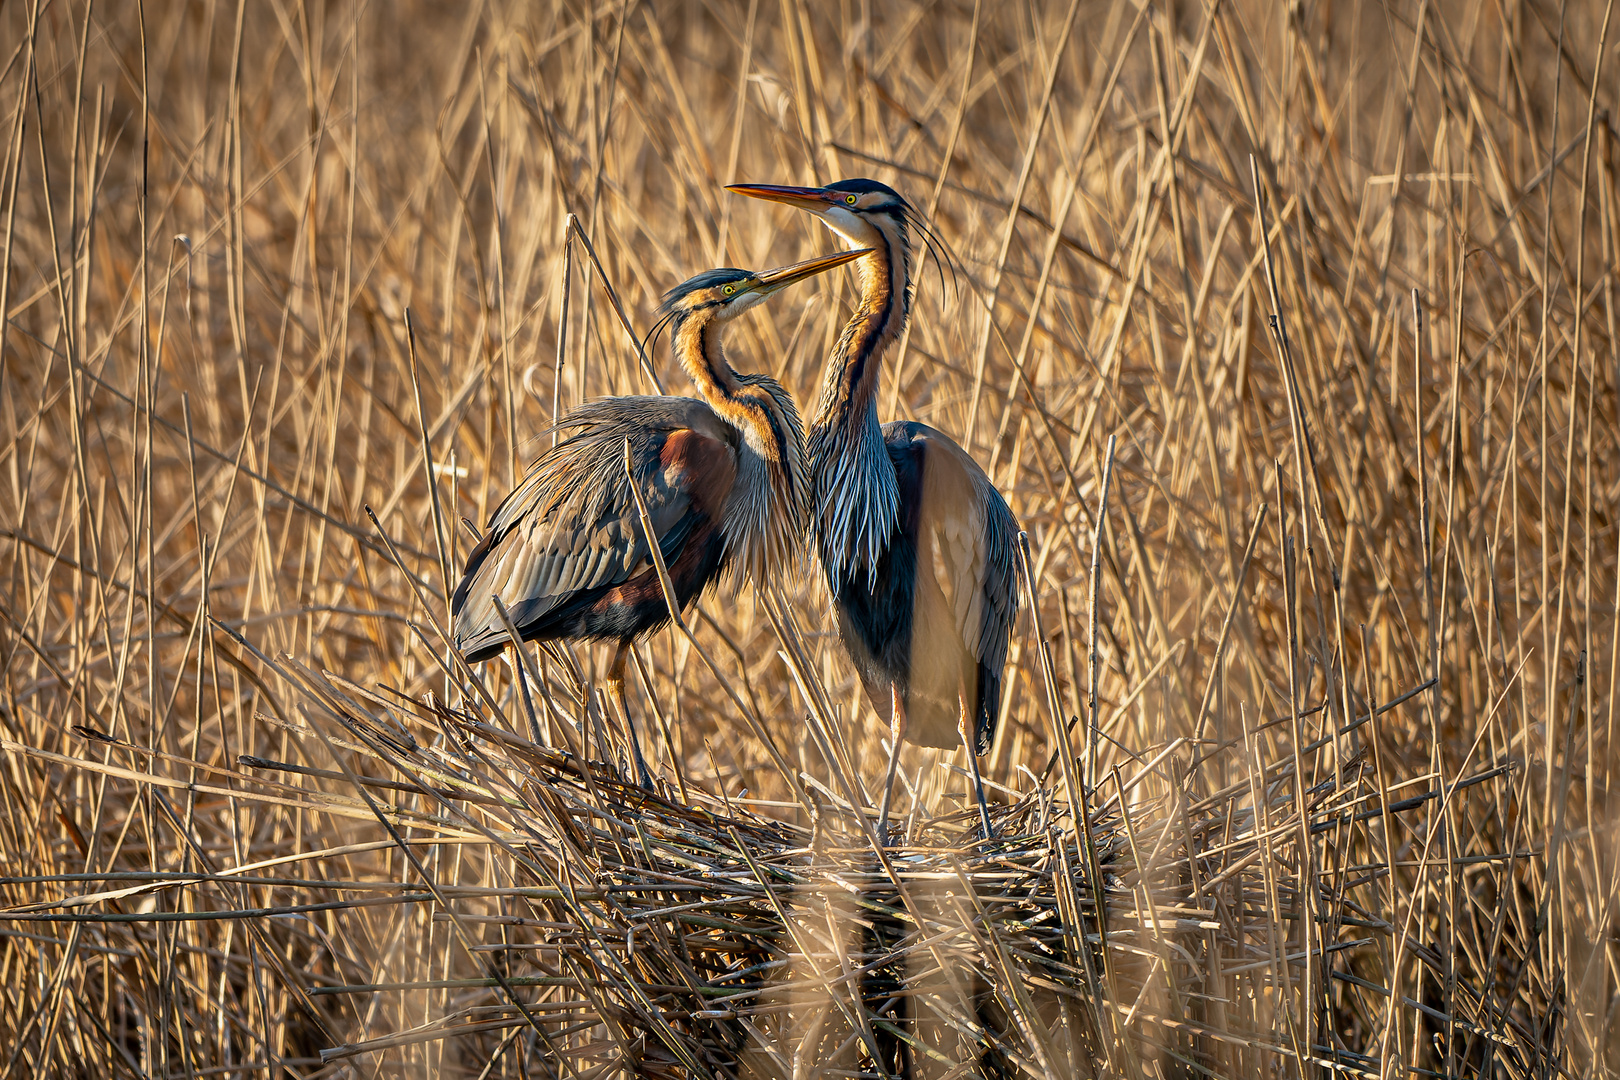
676	933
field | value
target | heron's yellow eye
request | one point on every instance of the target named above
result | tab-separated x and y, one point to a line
850	199
730	289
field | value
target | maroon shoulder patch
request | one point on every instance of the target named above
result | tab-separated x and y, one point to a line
700	465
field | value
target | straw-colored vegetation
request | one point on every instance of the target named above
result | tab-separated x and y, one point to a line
1334	282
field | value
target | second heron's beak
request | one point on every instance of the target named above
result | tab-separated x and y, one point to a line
813	199
781	277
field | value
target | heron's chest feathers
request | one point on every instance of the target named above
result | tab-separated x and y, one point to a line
856	495
765	512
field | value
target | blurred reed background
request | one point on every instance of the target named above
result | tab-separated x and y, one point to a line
217	217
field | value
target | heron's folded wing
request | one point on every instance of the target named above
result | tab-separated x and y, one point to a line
999	603
967	532
594	453
573	526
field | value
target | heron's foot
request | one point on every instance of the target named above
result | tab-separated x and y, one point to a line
984	814
881	829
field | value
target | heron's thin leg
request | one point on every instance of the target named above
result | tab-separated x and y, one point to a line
615	689
897	732
965	725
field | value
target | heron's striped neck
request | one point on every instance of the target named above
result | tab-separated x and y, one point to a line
855	494
765	509
697	345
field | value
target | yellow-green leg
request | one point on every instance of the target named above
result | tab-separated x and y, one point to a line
965	727
615	689
897	733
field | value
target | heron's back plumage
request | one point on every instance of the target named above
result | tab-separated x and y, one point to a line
570	534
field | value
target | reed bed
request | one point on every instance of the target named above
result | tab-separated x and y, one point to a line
1288	331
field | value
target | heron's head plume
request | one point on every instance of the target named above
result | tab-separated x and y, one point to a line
720	295
864	212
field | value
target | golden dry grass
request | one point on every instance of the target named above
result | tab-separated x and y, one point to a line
215	220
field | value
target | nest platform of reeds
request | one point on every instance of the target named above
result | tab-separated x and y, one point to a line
675	933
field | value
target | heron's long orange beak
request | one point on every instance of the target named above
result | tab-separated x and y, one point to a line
812	199
783	276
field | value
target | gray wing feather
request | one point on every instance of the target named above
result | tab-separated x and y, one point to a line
572	523
999	606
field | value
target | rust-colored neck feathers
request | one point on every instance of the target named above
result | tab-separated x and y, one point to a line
764	515
698	346
851	378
